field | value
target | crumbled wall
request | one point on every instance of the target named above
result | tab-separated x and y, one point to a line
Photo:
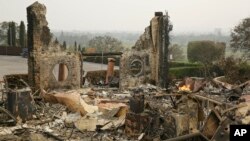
45	54
147	61
48	80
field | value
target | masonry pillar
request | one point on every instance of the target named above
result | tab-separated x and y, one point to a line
110	69
38	40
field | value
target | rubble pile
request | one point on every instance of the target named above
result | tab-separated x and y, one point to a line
146	112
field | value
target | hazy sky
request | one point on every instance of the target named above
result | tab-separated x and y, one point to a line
132	15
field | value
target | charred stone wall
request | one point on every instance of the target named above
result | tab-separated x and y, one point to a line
44	54
147	61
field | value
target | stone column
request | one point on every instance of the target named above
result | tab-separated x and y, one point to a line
110	69
38	40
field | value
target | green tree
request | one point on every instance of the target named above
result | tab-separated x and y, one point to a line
56	41
14	29
83	49
105	44
205	52
9	35
64	45
75	46
12	34
240	37
4	26
175	52
22	35
79	47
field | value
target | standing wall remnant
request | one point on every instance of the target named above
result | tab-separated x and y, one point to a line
147	62
110	70
45	55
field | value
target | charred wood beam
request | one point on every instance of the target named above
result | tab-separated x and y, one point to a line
163	95
101	89
173	102
41	122
233	108
196	96
103	54
188	136
9	114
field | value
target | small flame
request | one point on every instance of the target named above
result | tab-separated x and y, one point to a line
185	88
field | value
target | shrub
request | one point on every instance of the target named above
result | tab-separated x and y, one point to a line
205	51
235	70
181	72
182	64
99	59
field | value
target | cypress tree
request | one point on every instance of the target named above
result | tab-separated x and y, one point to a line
75	46
64	45
79	47
13	33
22	34
9	35
56	41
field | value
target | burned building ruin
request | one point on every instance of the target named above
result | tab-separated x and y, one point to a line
147	62
45	55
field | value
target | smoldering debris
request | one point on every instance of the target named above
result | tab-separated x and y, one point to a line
142	114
